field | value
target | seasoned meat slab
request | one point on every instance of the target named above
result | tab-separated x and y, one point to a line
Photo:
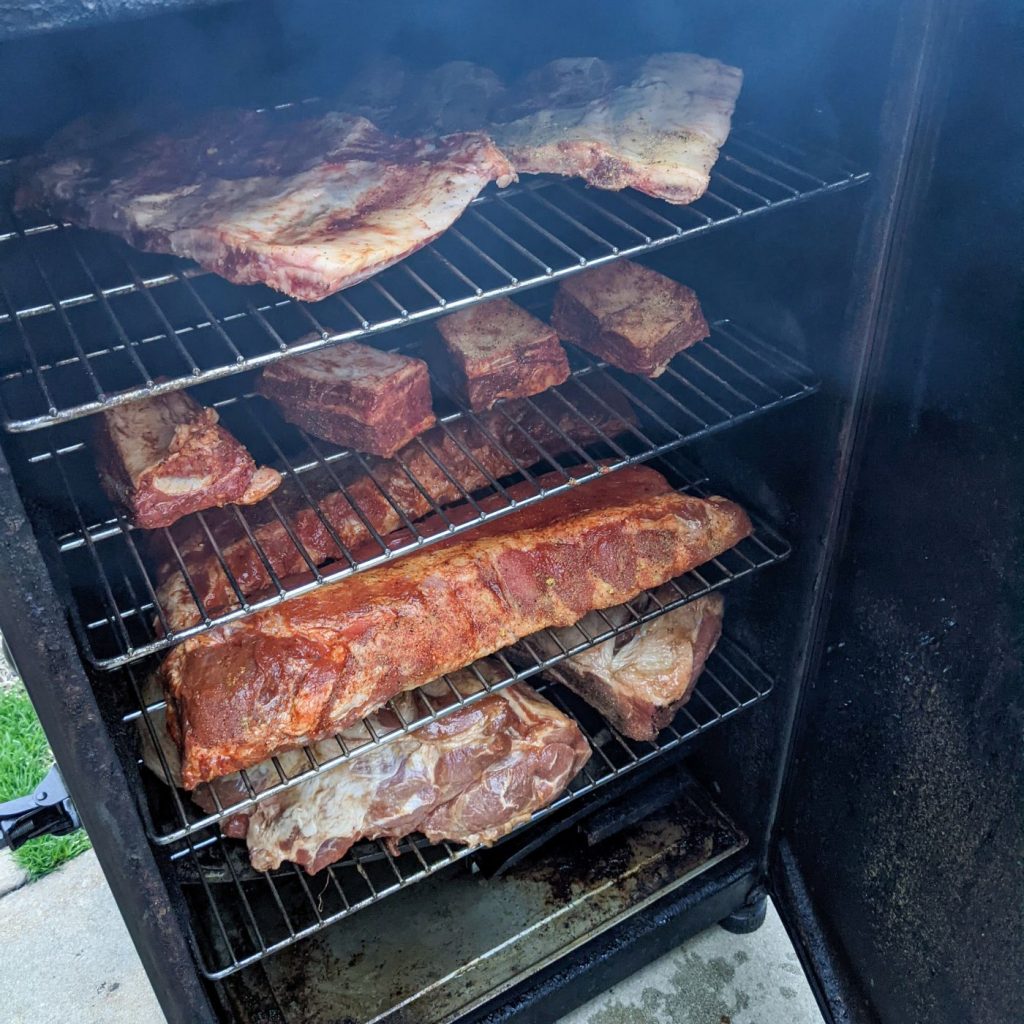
470	778
659	131
470	452
629	316
353	395
305	206
306	668
498	350
166	456
639	679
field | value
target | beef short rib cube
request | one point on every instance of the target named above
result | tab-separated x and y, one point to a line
354	396
498	350
629	316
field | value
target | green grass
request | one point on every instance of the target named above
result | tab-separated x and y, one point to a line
24	760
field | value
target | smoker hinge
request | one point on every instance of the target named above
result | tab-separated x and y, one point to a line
46	812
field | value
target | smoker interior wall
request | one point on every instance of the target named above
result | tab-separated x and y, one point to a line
776	274
905	810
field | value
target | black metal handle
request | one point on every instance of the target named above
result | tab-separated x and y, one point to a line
46	812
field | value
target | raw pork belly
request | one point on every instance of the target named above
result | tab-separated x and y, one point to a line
353	395
639	679
629	316
501	351
167	456
304	669
305	206
659	132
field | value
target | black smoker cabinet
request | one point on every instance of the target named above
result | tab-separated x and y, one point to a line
854	748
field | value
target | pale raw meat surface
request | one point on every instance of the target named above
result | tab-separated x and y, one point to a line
307	207
639	679
658	132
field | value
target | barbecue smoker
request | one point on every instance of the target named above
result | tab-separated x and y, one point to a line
853	745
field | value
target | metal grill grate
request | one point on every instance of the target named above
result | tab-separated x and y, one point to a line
240	916
87	322
179	818
116	609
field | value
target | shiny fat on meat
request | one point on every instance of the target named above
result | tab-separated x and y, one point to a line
307	207
640	678
469	778
659	132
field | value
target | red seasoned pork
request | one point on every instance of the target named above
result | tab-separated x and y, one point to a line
304	669
471	452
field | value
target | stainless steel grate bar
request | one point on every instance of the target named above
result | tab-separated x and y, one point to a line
507	241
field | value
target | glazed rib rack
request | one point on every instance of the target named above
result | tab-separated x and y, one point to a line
87	322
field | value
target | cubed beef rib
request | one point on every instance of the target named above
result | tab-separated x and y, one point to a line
353	395
640	678
307	206
306	668
166	456
628	315
498	350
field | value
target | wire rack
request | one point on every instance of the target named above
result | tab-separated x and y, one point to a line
87	322
178	818
240	916
600	420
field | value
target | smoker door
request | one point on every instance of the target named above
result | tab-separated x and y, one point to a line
899	849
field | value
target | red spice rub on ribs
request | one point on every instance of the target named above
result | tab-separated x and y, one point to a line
470	452
304	669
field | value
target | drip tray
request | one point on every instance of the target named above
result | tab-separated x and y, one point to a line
455	941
